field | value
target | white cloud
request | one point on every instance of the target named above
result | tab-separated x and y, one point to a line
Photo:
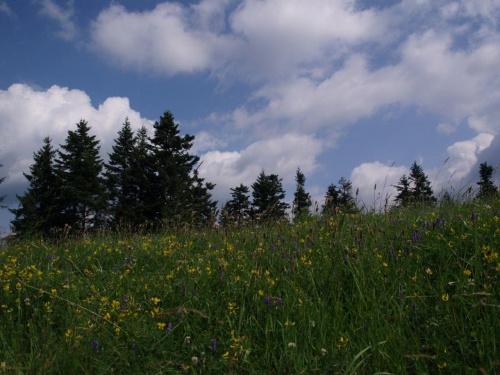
161	39
63	16
376	181
27	116
7	10
464	155
281	155
204	142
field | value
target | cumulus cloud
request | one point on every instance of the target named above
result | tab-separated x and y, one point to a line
163	39
376	181
28	115
61	15
281	155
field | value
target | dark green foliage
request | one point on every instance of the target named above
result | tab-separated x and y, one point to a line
2	197
340	197
79	167
404	196
486	186
302	199
179	192
238	209
38	210
346	199
331	198
268	194
414	189
422	190
121	179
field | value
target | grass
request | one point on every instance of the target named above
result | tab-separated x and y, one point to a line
413	291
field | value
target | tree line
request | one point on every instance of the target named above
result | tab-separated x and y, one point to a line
154	180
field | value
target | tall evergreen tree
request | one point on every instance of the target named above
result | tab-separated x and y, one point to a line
421	190
331	199
120	181
346	199
2	197
238	209
486	186
79	167
404	196
143	170
180	192
268	194
38	210
302	199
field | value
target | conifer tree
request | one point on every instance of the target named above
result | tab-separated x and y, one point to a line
120	181
179	191
404	196
268	194
2	197
346	199
38	210
143	171
302	199
331	199
421	190
486	186
79	167
238	209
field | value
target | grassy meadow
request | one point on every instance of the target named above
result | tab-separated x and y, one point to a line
411	291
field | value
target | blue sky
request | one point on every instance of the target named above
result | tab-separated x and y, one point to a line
339	88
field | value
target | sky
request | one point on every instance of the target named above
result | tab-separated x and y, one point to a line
340	88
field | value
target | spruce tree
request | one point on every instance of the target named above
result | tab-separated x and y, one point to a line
421	190
302	199
79	167
180	193
486	186
346	200
238	209
38	210
268	194
143	171
2	197
331	199
404	196
120	181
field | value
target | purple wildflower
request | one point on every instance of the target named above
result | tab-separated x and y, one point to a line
95	345
213	343
169	328
268	301
415	307
279	301
134	346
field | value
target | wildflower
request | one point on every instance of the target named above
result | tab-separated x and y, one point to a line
445	297
95	345
467	273
161	326
187	340
68	333
134	346
194	361
415	307
213	344
225	355
312	323
385	264
169	328
292	345
155	301
323	352
288	323
261	292
428	271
